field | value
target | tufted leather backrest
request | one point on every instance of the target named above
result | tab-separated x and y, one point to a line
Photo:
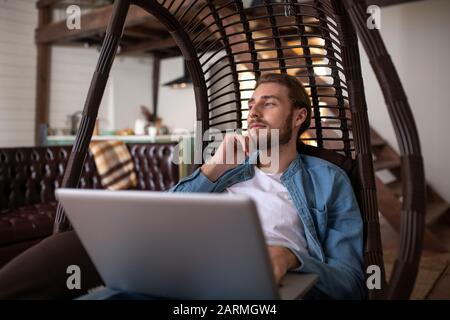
31	175
154	166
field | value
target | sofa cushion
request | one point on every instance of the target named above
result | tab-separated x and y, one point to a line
154	167
30	175
27	223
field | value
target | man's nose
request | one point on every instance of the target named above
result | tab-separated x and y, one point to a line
255	111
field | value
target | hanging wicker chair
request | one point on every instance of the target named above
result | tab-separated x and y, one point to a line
227	47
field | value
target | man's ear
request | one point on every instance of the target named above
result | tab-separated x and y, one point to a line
300	116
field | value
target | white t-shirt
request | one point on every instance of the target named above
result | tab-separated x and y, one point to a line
279	217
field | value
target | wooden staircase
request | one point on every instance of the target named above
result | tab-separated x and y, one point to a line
386	158
387	166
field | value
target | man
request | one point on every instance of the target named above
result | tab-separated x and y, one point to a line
308	211
307	208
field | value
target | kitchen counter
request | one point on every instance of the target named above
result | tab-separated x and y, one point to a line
68	140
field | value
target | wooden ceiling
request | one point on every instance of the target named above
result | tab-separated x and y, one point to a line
142	34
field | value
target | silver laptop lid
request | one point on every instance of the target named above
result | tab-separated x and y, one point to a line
179	245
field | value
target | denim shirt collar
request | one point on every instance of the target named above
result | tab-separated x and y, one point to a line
293	169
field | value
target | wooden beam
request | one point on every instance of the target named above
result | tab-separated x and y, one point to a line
42	80
46	3
170	53
150	45
155	83
66	3
385	3
144	33
92	23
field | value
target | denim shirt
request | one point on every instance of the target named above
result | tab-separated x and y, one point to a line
326	204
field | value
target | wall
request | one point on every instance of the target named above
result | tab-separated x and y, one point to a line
71	72
417	37
128	87
131	79
176	107
18	19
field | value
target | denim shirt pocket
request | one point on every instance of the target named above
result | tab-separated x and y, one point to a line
320	218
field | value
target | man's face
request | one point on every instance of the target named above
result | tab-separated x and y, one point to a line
270	108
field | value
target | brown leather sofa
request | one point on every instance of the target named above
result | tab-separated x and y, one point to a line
29	177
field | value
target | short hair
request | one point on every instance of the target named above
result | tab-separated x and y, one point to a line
297	94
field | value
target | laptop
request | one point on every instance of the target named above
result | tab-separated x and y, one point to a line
178	245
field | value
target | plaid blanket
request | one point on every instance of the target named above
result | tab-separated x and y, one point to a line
114	164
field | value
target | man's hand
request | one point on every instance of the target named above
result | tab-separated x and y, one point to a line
282	260
231	153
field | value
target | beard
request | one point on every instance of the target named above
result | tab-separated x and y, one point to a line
263	137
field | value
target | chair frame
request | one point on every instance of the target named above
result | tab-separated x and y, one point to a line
351	17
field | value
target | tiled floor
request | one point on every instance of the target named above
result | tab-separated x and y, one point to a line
441	289
433	280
